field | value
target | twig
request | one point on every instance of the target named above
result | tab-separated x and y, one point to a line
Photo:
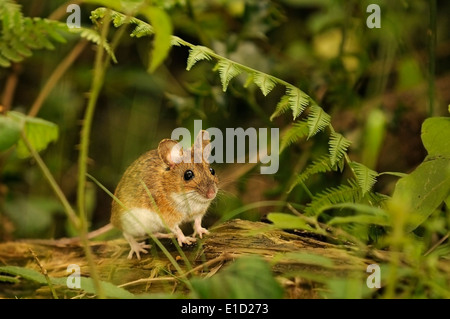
147	280
437	244
44	272
61	11
56	76
10	88
209	263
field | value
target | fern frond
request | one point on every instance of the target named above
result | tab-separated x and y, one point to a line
4	63
281	108
336	195
11	16
376	199
176	41
52	29
264	82
21	35
321	165
9	53
365	177
318	119
338	145
298	100
227	71
118	19
196	54
249	80
94	37
142	30
296	132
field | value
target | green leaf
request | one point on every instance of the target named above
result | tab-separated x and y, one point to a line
332	196
26	273
110	290
264	82
365	209
196	54
366	215
345	288
321	165
162	26
436	136
9	132
424	189
249	80
21	35
298	100
281	108
32	216
21	48
86	284
365	177
94	37
4	62
10	54
373	137
39	133
176	41
143	30
338	145
247	278
298	131
318	119
428	186
9	279
227	71
287	221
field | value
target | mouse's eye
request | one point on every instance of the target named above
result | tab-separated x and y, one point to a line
188	175
213	172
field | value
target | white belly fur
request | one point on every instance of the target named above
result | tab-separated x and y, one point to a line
190	204
141	221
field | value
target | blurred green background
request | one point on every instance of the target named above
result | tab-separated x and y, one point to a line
375	84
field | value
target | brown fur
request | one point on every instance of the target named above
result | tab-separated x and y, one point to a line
162	177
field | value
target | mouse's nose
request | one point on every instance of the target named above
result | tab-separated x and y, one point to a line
211	193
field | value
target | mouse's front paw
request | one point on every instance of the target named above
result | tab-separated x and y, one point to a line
186	240
200	231
181	238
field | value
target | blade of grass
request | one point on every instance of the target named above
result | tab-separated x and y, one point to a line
59	193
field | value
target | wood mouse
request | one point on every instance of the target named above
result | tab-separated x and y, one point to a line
179	187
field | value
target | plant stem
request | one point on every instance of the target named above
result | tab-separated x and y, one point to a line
96	85
44	272
67	208
432	29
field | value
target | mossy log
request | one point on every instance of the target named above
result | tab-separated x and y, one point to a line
154	273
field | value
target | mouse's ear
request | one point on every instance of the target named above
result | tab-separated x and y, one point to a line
170	152
202	146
